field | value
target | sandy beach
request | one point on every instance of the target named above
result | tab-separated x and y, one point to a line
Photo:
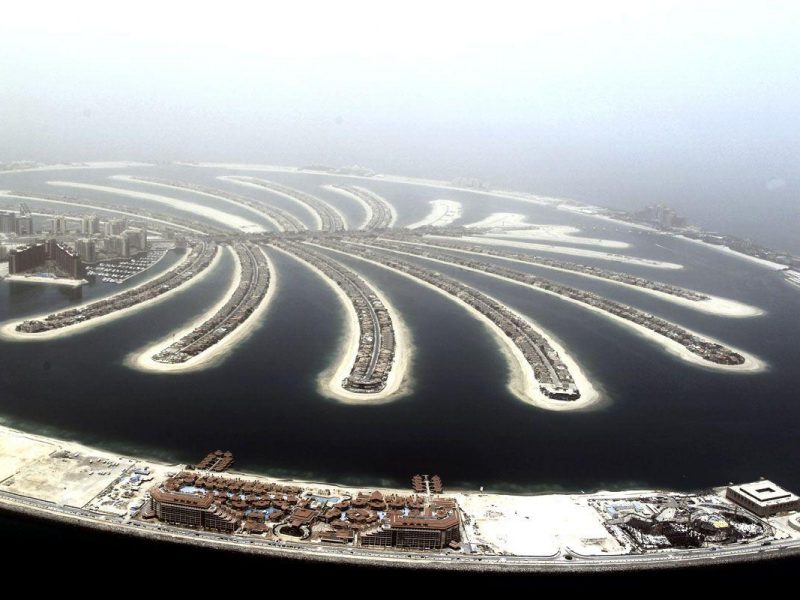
142	360
330	380
751	364
521	383
62	281
310	209
714	305
367	208
8	331
443	212
631	260
512	224
228	220
255	211
123	164
8	194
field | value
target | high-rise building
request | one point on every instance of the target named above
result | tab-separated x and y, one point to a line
66	260
59	225
137	238
25	259
115	226
8	222
85	247
90	225
118	244
24	225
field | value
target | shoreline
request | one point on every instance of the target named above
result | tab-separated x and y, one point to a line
8	194
715	305
134	179
63	281
365	205
9	333
142	360
231	221
123	164
522	384
329	382
594	254
751	364
442	213
516	225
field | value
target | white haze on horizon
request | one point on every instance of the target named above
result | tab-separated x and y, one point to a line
689	103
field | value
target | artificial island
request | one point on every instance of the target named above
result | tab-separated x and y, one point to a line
81	237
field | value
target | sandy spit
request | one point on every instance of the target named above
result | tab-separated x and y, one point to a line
7	331
142	360
228	220
330	381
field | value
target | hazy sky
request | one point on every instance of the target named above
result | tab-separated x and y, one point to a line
585	97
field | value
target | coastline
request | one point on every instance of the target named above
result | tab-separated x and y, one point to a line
541	532
226	219
123	164
522	383
9	333
134	179
751	364
715	305
8	194
594	254
329	382
442	213
515	224
63	281
365	205
142	360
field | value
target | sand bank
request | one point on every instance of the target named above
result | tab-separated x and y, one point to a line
33	198
307	207
8	331
228	220
143	360
714	305
513	222
443	212
522	383
330	380
750	365
123	164
262	214
62	281
365	205
725	250
631	260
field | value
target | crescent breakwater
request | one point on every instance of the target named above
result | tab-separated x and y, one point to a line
281	219
197	261
672	293
374	362
326	216
443	213
380	213
691	345
553	378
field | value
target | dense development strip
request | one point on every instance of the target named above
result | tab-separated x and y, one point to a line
329	218
253	285
199	257
552	375
550	263
380	214
377	340
159	221
284	221
710	351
